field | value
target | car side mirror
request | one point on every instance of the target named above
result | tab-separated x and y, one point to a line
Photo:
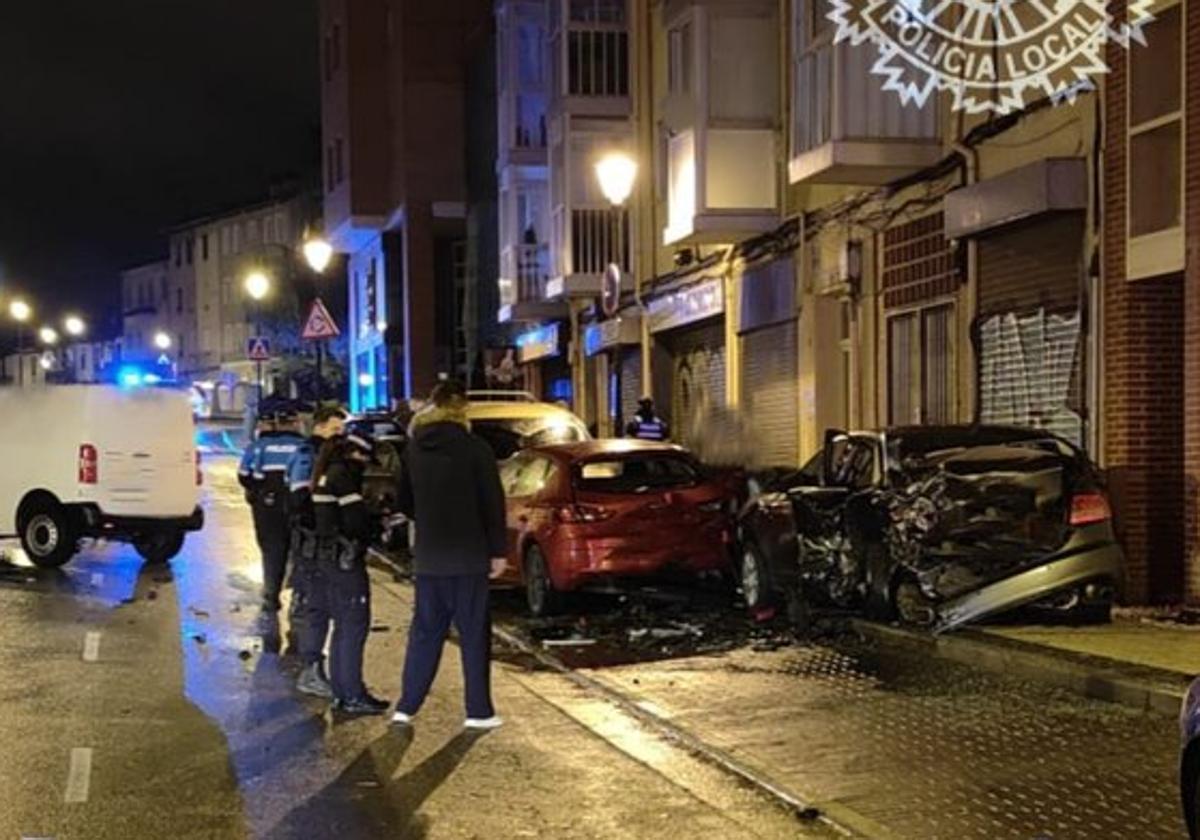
832	436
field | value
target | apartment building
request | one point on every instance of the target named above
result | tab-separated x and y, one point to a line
396	88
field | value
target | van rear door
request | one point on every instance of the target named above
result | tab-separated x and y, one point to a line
145	452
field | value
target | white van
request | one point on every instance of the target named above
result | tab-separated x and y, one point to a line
97	462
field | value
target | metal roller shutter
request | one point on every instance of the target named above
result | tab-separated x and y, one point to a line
771	393
1030	327
698	377
631	383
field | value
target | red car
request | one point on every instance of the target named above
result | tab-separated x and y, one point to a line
586	515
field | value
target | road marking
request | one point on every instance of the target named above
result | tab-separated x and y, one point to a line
79	777
97	579
91	647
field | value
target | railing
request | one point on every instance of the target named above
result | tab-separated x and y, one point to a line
598	237
529	122
597	62
529	267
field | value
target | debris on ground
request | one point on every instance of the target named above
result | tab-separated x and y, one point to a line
381	628
152	595
245	655
198	613
200	638
551	643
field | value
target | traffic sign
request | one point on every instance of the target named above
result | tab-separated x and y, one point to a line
320	323
258	349
610	290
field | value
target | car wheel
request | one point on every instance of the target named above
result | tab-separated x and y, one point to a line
540	595
755	578
47	534
160	546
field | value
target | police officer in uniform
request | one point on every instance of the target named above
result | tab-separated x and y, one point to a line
344	532
646	424
264	475
310	614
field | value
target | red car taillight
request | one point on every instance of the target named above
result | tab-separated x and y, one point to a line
89	464
580	514
1089	508
199	472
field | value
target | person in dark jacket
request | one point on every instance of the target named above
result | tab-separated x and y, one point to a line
344	530
646	424
450	487
310	617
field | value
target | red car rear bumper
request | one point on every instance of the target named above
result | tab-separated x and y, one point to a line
577	560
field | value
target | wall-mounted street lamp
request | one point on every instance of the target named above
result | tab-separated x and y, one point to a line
74	325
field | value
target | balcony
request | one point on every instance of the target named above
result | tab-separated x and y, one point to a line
721	120
522	82
589	239
589	57
524	275
847	129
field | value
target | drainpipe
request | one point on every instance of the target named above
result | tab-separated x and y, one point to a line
968	378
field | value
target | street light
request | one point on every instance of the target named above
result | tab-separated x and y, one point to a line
616	172
48	335
74	325
257	285
162	341
318	253
20	311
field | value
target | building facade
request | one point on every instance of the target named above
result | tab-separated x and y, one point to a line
396	92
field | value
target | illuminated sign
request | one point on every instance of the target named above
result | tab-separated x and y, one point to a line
612	333
686	306
540	343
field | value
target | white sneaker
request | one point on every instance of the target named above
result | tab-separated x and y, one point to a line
493	722
401	719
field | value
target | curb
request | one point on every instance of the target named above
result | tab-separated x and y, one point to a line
1096	677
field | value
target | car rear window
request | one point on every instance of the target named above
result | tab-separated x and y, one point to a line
635	474
509	436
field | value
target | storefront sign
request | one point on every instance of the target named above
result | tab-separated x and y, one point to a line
611	333
685	306
540	343
768	295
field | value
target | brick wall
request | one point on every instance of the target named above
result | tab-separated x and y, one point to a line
918	263
1192	306
1143	384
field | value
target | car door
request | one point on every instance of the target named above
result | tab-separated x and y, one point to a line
514	507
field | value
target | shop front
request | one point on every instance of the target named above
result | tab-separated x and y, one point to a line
613	349
542	357
770	361
688	323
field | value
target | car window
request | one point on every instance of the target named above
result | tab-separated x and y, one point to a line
534	476
852	462
508	436
636	474
510	471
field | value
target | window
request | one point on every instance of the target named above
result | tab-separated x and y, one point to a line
165	294
679	59
330	180
178	301
237	239
340	160
597	63
252	232
178	253
191	250
204	246
1156	127
598	11
268	228
921	369
530	65
812	79
638	474
526	475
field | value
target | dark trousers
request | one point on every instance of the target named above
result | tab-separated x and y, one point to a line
349	604
312	609
272	530
463	600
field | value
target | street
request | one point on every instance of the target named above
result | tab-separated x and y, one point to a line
150	702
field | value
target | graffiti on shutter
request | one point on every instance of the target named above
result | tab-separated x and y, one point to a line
771	394
631	384
699	379
1028	364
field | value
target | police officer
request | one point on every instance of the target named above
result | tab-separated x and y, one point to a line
344	531
310	612
646	424
264	475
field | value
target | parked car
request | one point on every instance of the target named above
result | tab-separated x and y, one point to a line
513	420
98	462
936	526
381	479
592	514
1189	762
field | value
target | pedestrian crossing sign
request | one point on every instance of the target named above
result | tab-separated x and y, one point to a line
320	323
258	349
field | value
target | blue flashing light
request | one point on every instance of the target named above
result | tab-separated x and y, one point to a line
151	379
130	377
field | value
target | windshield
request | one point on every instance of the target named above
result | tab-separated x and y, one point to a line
636	474
508	436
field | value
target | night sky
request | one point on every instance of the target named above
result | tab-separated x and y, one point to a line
119	118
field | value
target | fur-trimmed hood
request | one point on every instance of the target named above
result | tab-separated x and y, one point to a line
434	414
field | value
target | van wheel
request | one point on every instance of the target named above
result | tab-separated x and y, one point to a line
47	534
540	595
160	546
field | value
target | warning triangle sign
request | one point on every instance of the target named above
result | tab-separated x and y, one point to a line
320	323
258	349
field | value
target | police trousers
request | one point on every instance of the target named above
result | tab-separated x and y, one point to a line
272	531
310	611
345	596
464	601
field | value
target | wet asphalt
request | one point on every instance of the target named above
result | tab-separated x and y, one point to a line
140	701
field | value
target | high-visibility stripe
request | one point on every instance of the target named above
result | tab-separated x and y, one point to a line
274	467
300	485
322	499
350	499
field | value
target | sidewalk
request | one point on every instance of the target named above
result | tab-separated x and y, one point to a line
1143	659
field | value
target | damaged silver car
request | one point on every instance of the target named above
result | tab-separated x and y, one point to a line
933	526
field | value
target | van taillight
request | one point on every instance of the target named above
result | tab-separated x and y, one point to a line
89	464
1089	508
199	472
